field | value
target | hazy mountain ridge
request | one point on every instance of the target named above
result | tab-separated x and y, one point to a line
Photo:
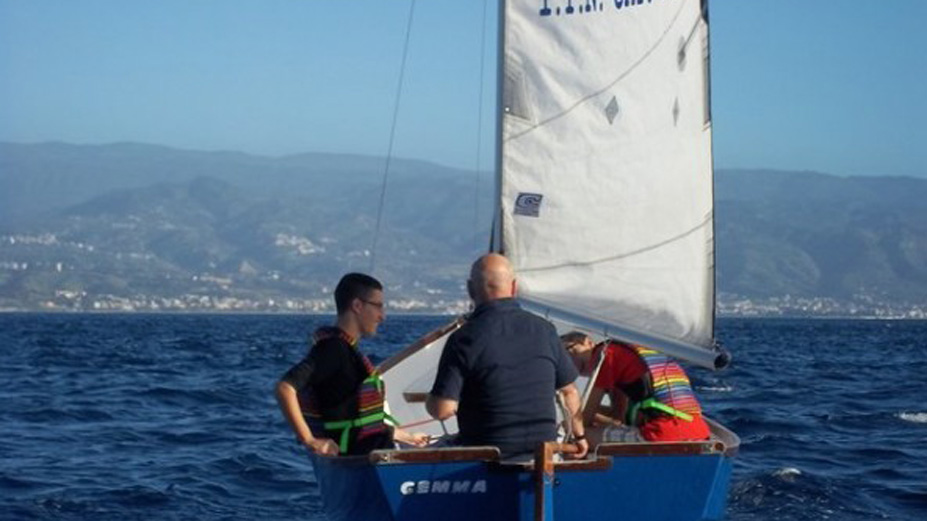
807	234
139	226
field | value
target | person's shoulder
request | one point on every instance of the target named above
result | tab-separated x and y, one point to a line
328	342
463	337
535	320
617	346
621	352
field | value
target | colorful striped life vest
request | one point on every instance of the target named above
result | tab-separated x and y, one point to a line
371	415
670	393
371	394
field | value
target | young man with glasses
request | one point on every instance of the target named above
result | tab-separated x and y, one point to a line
333	399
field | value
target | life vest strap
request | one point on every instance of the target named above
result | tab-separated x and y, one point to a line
652	403
345	426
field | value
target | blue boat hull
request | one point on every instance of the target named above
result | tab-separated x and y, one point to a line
676	485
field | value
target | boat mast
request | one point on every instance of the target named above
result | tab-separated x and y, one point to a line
496	233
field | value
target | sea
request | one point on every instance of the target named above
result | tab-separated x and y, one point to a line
172	417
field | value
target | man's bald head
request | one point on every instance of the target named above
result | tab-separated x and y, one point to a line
491	278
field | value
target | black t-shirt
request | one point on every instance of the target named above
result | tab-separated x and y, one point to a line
503	367
331	372
331	375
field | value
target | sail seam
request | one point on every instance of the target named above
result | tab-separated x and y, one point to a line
707	221
595	94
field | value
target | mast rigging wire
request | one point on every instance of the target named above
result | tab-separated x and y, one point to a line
392	136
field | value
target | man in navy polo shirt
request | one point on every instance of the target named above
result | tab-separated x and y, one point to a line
499	372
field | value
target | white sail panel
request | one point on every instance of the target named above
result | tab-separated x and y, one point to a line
606	189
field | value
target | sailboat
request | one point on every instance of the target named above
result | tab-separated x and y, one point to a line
605	209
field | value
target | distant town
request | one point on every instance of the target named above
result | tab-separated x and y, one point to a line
435	301
74	301
65	300
788	306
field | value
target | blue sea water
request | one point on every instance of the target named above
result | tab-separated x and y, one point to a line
171	417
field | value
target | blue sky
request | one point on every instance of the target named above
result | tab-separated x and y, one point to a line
825	85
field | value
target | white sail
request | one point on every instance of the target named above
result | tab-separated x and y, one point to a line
606	169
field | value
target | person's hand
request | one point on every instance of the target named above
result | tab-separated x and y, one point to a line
322	446
419	439
583	446
416	439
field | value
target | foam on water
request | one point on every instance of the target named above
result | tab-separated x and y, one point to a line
714	389
913	417
789	474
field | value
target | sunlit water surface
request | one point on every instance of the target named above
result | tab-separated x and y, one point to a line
170	417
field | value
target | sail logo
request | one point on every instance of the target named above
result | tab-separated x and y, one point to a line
528	204
408	488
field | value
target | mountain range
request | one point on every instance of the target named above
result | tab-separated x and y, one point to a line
131	226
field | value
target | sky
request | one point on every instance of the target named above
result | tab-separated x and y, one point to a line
825	85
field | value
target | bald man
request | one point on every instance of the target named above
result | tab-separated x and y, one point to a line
500	370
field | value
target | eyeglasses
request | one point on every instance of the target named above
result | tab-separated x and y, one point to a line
378	305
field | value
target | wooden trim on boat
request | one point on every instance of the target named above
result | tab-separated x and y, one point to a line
544	468
582	465
435	455
544	464
419	344
415	397
725	436
543	478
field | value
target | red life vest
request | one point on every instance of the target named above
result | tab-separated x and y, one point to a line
670	390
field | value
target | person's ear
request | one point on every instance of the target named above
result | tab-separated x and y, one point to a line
514	287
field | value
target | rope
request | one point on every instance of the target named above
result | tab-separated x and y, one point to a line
392	136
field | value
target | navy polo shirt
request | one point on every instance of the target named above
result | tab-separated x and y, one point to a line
503	367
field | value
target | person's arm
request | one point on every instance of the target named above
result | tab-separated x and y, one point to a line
594	414
440	408
289	406
319	366
619	407
442	401
591	411
571	400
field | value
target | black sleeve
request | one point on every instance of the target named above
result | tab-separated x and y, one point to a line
451	368
319	365
299	375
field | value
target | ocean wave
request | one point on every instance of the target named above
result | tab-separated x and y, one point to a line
789	474
913	417
714	389
125	420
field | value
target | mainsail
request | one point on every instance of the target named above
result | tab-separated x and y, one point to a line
606	169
